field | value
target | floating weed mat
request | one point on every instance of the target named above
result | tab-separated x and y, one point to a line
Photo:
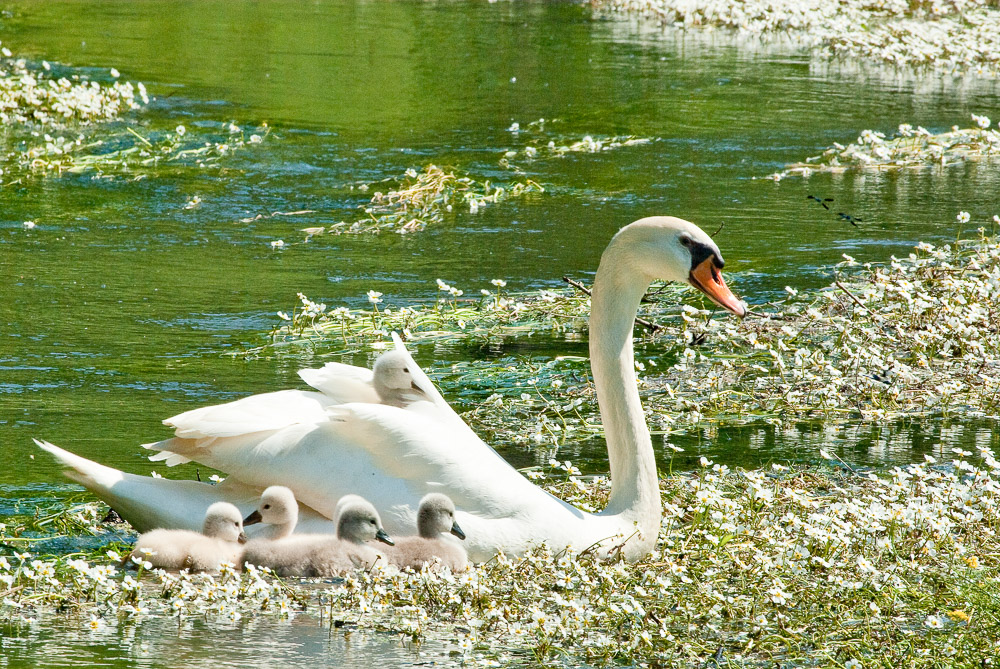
915	338
494	315
423	198
909	148
956	36
812	567
138	152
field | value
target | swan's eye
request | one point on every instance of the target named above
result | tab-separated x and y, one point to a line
685	241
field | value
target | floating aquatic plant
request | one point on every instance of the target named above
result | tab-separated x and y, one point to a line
957	36
915	337
422	198
909	148
57	120
818	567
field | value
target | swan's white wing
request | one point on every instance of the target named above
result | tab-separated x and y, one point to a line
343	383
256	413
388	455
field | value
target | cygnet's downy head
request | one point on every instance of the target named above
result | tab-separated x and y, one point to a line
436	515
393	380
224	521
277	507
359	522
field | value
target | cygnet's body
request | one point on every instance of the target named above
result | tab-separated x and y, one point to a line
435	519
219	541
322	555
358	524
275	547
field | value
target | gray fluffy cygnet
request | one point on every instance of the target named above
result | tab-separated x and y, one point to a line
432	546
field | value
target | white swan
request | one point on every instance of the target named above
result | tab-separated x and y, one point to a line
218	542
393	456
435	519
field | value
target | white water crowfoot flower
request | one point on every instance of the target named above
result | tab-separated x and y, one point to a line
374	296
963	217
955	37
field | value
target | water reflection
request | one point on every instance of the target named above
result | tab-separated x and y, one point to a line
70	640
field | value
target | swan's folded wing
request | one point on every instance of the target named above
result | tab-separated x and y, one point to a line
342	383
256	413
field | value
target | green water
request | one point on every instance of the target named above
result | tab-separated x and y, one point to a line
117	310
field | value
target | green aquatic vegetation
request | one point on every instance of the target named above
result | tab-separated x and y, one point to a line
909	148
422	198
493	315
58	121
819	567
539	149
915	337
136	153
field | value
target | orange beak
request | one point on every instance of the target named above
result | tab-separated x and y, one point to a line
707	278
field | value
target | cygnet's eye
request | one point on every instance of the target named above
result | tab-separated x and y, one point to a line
406	370
267	506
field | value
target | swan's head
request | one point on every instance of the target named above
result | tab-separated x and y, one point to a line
358	522
277	507
436	515
224	521
672	249
391	376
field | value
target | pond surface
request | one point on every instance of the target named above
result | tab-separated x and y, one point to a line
119	307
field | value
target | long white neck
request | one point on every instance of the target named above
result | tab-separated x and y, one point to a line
618	289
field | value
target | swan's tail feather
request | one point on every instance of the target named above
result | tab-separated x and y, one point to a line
89	474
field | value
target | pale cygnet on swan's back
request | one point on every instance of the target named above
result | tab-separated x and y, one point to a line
220	541
435	519
358	523
393	381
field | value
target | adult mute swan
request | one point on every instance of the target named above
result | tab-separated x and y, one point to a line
393	456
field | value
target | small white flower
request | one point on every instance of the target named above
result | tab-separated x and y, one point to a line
499	283
28	225
256	139
278	244
982	121
963	217
180	130
283	316
374	296
114	73
852	664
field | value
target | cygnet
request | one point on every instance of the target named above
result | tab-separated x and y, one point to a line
220	541
393	381
323	555
358	523
435	518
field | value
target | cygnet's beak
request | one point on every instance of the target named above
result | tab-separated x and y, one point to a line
707	278
457	531
242	538
383	537
252	519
